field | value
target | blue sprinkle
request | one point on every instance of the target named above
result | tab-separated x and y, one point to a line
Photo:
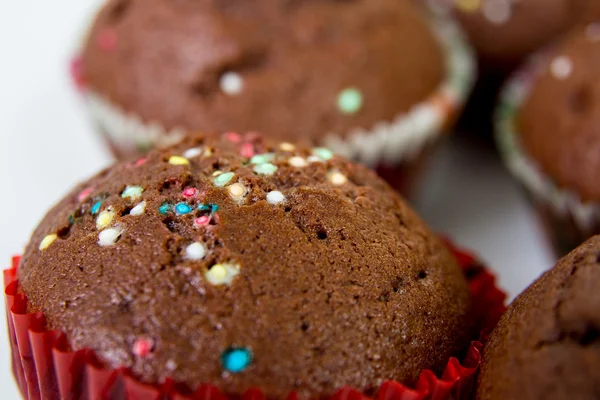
236	359
96	207
214	208
183	208
164	209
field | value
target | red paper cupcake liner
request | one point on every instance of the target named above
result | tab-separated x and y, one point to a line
46	368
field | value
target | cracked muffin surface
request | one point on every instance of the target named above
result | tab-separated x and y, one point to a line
547	345
247	263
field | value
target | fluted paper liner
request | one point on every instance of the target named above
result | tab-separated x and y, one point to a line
46	368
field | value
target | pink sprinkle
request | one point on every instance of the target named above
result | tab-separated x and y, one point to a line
76	69
189	192
203	220
142	347
247	150
107	39
85	193
233	137
141	161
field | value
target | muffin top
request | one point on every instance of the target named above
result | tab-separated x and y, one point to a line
215	65
505	31
245	263
559	123
547	345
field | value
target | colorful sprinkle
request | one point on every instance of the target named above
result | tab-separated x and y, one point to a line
233	137
231	83
223	179
47	241
96	207
164	208
132	192
314	159
265	169
202	221
323	153
195	251
561	67
337	178
84	194
468	5
497	11
236	359
140	162
107	39
350	101
191	153
109	236
247	150
177	160
142	347
138	210
105	219
183	209
222	274
287	146
275	197
189	192
297	162
237	191
262	158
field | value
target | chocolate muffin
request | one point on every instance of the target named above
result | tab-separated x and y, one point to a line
504	32
245	263
549	132
547	345
339	73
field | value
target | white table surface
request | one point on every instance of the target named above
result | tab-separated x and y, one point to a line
47	145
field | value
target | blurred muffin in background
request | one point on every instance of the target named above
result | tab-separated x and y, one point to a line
370	79
504	33
547	345
548	130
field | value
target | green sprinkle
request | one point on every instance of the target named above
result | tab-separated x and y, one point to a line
132	192
223	179
262	158
164	209
323	153
265	169
350	101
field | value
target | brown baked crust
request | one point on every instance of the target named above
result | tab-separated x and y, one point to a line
295	58
547	345
340	284
530	24
559	123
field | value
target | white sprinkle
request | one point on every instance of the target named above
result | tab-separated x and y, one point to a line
314	159
297	162
593	32
497	11
171	365
231	83
110	236
561	67
275	197
287	146
139	209
195	251
337	178
191	153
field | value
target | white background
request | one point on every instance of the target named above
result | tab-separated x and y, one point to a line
47	145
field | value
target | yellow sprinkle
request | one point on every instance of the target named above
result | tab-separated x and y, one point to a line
237	191
105	219
337	178
47	241
222	274
177	160
298	162
468	5
217	173
287	146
